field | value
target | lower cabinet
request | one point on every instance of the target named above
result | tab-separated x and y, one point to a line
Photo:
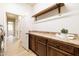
41	49
50	47
52	51
37	44
32	42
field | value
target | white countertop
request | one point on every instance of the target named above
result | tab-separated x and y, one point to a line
73	42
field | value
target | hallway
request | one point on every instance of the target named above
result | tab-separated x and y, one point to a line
13	48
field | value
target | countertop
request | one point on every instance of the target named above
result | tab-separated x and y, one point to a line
49	35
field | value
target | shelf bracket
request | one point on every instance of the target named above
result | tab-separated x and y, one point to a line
59	8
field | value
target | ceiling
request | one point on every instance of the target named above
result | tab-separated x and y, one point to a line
11	17
31	4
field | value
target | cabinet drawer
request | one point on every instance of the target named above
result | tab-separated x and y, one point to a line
52	51
41	39
41	51
53	43
67	48
61	45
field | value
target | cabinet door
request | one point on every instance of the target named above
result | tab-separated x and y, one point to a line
32	42
52	51
36	50
41	51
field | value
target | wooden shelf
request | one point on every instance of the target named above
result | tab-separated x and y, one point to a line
58	5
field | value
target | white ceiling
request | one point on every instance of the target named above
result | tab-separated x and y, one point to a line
11	16
31	4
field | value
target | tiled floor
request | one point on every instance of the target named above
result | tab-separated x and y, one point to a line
14	48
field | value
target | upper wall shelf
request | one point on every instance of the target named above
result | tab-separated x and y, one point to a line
58	5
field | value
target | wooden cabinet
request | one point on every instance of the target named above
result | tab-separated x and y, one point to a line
67	48
76	51
62	46
37	44
41	46
50	47
41	49
52	51
32	42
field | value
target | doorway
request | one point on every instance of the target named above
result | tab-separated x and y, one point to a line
11	26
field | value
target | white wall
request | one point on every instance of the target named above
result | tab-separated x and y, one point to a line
23	11
69	19
1	17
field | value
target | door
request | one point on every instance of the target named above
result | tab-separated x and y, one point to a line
32	42
41	49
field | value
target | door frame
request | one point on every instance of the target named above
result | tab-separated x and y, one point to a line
14	21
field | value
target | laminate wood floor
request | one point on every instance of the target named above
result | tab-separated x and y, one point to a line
14	48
